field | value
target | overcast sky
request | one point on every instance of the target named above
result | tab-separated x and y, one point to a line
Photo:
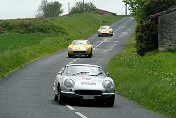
12	9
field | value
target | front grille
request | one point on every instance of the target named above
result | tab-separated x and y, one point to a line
88	92
79	52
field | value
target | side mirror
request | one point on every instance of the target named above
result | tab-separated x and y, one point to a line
59	73
107	74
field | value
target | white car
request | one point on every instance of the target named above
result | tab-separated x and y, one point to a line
84	81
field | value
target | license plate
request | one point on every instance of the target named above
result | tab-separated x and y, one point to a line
88	97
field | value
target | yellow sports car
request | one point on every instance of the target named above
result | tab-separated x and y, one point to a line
105	30
80	47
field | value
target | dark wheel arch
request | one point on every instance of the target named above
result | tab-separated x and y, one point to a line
70	55
90	55
110	101
60	97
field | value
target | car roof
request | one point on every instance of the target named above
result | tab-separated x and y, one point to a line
82	65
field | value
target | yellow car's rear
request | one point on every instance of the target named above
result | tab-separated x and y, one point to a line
105	31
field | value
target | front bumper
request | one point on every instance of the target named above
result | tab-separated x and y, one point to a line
79	52
97	92
105	33
79	96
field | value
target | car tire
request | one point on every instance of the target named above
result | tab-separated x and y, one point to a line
99	35
90	55
70	55
55	97
110	101
60	97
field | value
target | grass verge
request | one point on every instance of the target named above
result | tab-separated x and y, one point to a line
25	40
149	80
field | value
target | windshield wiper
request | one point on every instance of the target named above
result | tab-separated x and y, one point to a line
97	74
80	73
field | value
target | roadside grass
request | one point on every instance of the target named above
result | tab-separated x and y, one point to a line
149	80
12	41
25	40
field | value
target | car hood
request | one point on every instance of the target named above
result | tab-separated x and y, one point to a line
94	79
87	82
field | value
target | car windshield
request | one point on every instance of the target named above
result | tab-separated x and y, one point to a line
83	70
80	42
104	27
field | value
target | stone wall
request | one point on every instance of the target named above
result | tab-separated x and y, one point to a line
167	31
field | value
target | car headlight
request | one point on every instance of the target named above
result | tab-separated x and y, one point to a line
107	84
69	83
70	48
87	48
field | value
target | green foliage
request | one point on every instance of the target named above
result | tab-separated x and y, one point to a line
18	46
1	30
148	35
78	8
148	80
144	8
31	26
49	9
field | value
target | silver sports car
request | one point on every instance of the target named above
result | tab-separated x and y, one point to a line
84	81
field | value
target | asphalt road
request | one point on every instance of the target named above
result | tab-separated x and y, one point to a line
28	92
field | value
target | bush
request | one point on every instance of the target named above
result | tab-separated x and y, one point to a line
146	37
32	26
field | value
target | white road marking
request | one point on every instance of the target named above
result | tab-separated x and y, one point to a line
78	113
76	59
70	62
100	43
81	115
70	107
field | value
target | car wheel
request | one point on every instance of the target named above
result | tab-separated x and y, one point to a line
90	55
99	35
110	101
60	96
69	55
55	97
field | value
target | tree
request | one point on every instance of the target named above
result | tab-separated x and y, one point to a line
78	8
147	28
142	9
49	9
